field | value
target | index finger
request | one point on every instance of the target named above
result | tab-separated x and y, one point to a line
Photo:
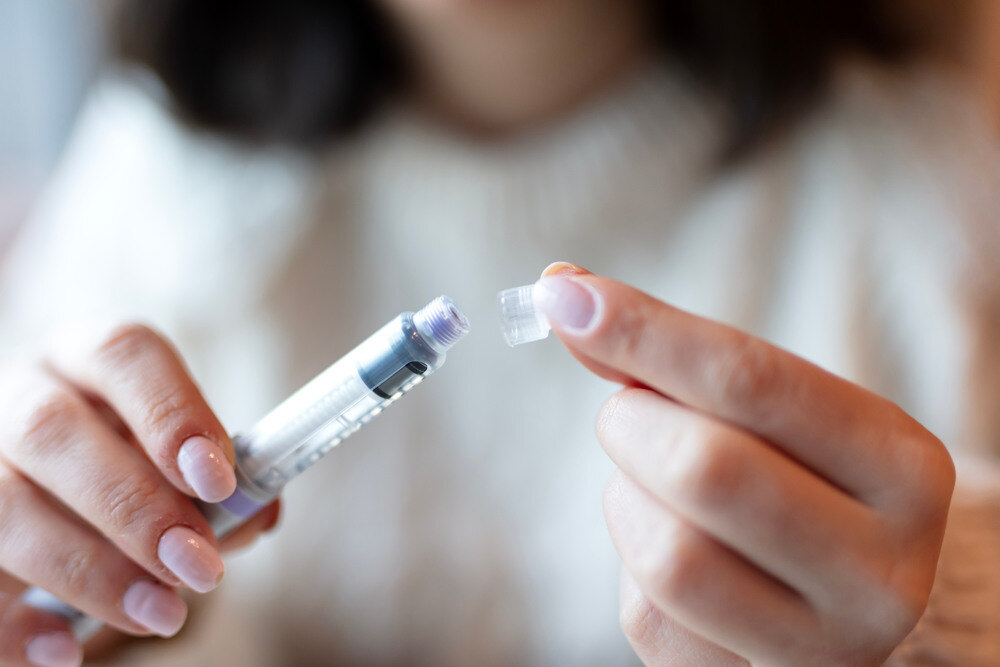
144	381
853	437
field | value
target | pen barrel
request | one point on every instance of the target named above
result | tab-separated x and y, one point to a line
314	420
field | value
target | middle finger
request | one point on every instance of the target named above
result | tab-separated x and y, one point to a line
741	491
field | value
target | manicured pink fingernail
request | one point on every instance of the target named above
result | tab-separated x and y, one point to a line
190	556
54	649
206	469
573	305
154	607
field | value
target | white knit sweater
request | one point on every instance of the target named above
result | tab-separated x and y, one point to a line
464	526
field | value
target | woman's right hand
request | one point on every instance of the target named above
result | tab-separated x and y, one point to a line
105	439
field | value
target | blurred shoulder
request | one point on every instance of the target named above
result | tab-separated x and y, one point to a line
146	217
906	151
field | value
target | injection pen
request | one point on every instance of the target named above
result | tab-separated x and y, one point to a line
314	420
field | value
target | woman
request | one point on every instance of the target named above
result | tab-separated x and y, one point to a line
763	509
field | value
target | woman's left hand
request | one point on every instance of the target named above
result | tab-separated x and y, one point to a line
764	509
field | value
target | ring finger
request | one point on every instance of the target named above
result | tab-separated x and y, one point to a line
740	490
43	546
695	580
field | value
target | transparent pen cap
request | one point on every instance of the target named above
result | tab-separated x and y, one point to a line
520	320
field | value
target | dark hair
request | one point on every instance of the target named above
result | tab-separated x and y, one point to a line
306	71
294	71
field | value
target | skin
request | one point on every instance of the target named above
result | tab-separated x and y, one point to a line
493	69
983	56
89	479
766	511
89	474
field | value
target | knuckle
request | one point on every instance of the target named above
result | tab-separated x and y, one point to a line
126	342
890	595
640	620
52	418
948	471
166	412
128	503
938	475
678	573
74	568
629	331
612	491
606	417
710	473
143	359
613	414
749	371
892	615
904	613
939	467
929	469
616	501
12	498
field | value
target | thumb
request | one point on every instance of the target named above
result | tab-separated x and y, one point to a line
564	269
596	367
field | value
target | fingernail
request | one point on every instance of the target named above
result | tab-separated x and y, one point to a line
206	469
54	649
154	607
573	305
562	269
189	555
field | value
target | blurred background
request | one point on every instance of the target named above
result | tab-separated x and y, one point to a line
819	175
50	51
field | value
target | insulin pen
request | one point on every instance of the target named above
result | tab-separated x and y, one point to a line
314	420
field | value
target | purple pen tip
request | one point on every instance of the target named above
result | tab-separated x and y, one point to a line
442	322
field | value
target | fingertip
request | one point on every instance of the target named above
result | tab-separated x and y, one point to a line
274	516
155	607
54	649
641	620
563	269
573	306
191	557
206	469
